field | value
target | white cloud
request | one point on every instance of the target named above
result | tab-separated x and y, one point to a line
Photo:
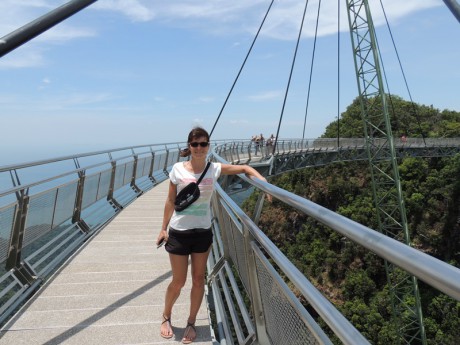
205	99
265	96
133	9
80	99
216	17
29	56
242	16
44	83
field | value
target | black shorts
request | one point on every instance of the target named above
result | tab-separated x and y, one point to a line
190	241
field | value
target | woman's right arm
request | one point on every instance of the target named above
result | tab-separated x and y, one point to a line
168	212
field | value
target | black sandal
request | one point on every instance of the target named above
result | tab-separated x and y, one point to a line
190	325
167	319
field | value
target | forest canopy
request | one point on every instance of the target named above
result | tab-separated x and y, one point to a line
350	276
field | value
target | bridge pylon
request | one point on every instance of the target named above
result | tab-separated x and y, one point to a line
386	185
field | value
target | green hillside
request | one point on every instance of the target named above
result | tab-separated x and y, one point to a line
352	278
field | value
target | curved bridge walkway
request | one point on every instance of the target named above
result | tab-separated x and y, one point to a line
112	290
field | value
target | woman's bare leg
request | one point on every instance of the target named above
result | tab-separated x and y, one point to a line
179	266
196	295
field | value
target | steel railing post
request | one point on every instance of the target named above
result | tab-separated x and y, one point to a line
14	252
110	197
76	218
151	168
133	177
23	272
165	167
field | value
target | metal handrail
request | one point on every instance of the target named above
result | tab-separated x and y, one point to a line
335	320
435	272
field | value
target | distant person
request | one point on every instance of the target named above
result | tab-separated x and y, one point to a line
259	143
256	143
189	234
261	139
403	139
270	141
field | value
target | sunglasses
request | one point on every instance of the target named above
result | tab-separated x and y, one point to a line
202	144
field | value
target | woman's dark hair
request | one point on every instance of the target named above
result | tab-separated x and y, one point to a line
195	133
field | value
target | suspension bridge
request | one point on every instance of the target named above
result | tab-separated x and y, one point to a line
80	265
101	221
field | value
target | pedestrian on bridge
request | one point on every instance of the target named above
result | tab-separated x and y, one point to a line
188	233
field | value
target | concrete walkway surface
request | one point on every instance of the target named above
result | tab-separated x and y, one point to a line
112	291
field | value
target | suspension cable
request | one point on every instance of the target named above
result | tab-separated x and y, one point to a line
241	68
290	77
414	109
338	74
311	68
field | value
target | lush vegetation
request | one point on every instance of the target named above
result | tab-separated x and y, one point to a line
351	277
409	119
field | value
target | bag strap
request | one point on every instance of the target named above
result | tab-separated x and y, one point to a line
204	173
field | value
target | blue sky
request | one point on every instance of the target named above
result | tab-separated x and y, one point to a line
133	72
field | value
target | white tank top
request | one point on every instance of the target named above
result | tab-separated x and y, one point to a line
198	214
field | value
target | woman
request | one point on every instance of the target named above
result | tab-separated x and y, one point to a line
190	232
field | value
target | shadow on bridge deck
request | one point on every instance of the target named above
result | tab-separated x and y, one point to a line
112	290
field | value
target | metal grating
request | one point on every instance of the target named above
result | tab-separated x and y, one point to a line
240	256
6	228
128	172
119	175
90	190
159	162
148	163
140	167
284	324
104	184
39	216
173	157
65	203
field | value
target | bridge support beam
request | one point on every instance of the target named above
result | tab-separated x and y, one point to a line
40	25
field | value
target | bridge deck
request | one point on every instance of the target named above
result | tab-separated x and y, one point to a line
112	291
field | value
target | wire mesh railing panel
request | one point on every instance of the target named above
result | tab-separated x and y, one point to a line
39	215
119	176
104	184
284	322
65	203
6	227
146	168
173	157
234	242
90	190
159	163
226	222
140	167
128	172
241	256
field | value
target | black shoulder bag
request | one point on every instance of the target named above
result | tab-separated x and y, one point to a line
190	193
